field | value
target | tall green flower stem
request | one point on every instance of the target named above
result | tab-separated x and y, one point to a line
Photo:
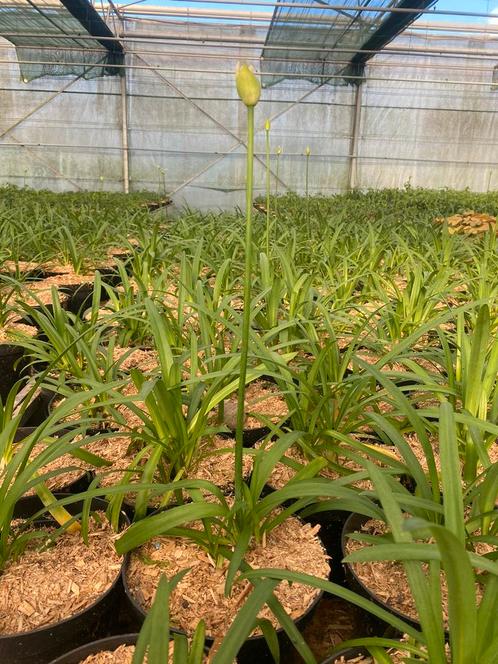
267	143
249	90
307	153
277	167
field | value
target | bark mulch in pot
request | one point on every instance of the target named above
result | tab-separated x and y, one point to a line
11	330
219	467
262	398
70	481
122	655
214	465
282	473
39	293
46	587
386	581
199	595
137	358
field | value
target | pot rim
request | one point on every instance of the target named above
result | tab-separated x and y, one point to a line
125	639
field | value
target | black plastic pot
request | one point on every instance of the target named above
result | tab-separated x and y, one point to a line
44	644
331	525
80	295
353	582
11	367
38	410
110	643
255	648
252	436
249	436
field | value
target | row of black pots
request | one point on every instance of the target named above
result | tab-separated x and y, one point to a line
40	273
12	363
334	529
98	621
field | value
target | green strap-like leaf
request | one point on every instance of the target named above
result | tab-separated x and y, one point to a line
244	622
462	609
451	473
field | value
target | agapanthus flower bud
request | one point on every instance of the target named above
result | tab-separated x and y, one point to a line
248	85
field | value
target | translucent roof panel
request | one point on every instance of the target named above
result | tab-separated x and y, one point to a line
53	38
323	44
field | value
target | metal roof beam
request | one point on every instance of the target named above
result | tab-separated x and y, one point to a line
84	12
390	28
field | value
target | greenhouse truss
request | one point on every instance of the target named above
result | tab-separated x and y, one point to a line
333	40
248	332
142	95
59	38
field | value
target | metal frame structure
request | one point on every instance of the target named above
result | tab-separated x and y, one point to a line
327	28
141	47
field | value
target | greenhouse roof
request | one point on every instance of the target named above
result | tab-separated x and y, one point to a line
329	42
60	38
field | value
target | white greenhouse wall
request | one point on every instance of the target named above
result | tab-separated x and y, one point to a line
185	127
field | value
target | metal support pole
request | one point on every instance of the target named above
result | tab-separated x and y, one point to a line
355	137
124	131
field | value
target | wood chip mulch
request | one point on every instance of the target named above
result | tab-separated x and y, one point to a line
145	360
282	474
262	398
212	466
10	332
199	595
44	587
122	655
219	468
64	478
388	580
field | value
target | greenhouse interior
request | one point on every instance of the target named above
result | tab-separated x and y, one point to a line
248	332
